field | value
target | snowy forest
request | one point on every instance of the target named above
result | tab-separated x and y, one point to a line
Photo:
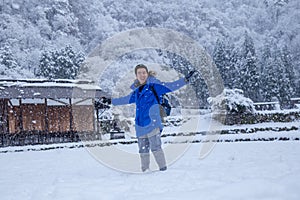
255	43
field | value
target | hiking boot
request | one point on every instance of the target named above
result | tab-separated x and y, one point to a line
163	169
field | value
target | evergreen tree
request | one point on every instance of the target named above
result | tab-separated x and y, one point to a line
284	84
249	76
270	73
265	75
225	60
248	46
289	68
233	65
265	64
47	65
8	65
219	57
6	59
277	73
183	66
62	64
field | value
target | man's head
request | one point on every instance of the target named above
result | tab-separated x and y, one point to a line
141	72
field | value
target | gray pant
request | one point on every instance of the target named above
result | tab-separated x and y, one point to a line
151	141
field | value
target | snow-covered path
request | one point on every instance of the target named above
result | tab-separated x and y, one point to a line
241	170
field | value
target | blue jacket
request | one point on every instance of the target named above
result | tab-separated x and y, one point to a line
147	115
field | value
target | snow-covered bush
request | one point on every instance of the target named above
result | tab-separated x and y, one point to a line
231	101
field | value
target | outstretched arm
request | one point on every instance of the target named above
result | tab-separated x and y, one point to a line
169	86
163	88
124	100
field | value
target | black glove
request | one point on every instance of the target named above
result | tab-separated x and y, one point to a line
103	102
189	76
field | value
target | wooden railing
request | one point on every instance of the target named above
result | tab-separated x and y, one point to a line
274	105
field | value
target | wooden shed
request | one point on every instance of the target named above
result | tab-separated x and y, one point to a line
48	106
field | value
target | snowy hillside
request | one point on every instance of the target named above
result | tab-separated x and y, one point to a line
31	27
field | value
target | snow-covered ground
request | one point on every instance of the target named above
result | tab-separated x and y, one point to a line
232	170
242	170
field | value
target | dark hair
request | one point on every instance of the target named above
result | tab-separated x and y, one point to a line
140	66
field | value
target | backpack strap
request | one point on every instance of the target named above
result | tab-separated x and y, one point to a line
155	94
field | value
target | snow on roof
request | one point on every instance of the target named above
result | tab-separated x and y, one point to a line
48	83
43	88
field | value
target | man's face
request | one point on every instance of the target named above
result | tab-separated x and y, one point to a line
141	75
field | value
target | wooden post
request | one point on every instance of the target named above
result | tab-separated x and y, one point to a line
94	122
2	122
6	116
98	124
2	102
21	116
97	115
71	115
46	117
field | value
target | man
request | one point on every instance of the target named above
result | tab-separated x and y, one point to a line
148	123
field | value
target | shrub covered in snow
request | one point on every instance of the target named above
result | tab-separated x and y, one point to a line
231	101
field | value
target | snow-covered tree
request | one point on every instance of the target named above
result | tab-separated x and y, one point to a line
183	66
249	77
6	58
221	60
289	69
276	75
233	66
63	64
225	59
283	82
9	68
264	62
270	88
